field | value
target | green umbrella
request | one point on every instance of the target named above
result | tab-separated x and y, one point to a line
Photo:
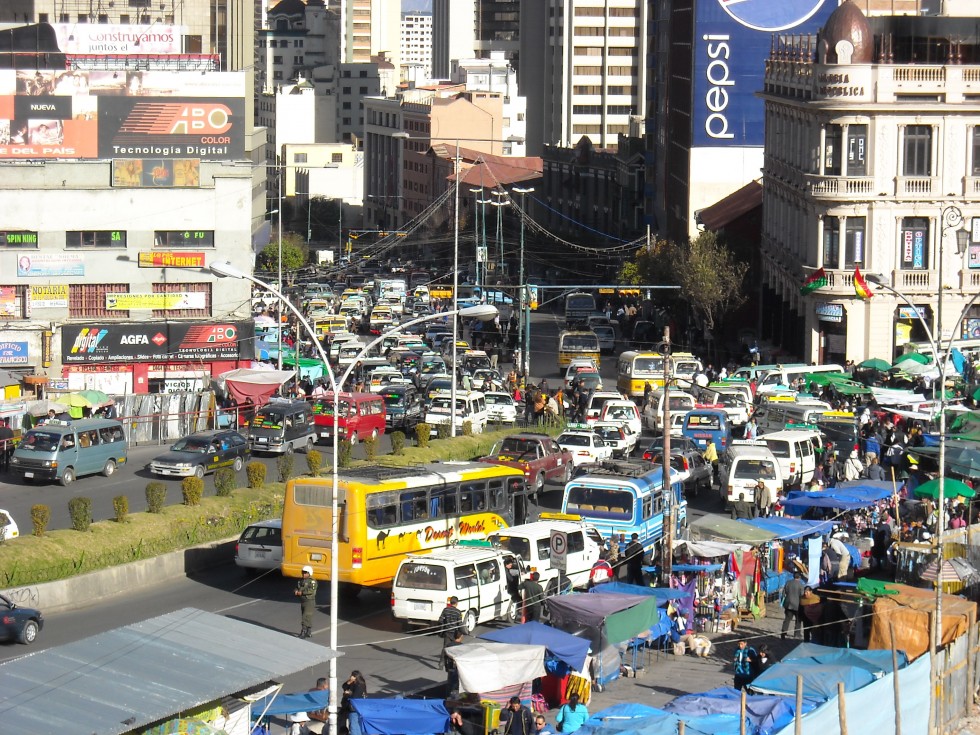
914	357
875	363
951	488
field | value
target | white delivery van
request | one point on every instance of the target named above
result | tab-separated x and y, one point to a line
653	409
796	452
532	542
470	406
776	415
473	571
784	376
743	464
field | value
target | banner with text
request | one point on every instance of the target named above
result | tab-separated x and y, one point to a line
155	341
49	297
175	300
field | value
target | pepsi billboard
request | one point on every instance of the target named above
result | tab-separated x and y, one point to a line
731	44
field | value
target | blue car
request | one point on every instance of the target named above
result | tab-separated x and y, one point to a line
21	624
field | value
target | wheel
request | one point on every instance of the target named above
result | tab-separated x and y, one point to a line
199	471
374	435
68	476
239	463
513	612
110	468
469	622
538	485
288	449
567	476
29	633
353	439
309	445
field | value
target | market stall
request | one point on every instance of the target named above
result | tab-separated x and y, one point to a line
764	713
498	671
402	716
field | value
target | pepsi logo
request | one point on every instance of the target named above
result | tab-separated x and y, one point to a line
766	15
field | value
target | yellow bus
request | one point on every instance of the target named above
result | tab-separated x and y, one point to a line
330	325
389	512
577	343
635	369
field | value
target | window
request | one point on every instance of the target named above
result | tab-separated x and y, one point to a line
576	542
854	242
917	151
198	294
336	158
831	242
857	148
18	239
831	150
183	239
13	302
95	239
914	243
298	60
299	158
975	147
421	576
89	300
276	59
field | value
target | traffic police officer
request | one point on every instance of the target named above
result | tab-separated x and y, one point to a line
306	591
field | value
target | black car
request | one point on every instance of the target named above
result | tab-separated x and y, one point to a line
677	444
685	457
403	406
203	452
21	624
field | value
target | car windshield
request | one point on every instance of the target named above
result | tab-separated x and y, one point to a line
648	365
704	421
600	503
393	399
729	399
194	444
442	404
41	441
499	400
609	432
515	544
574	440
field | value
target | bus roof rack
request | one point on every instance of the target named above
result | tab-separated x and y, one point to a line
622	467
381	472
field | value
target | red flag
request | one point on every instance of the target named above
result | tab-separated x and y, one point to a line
861	287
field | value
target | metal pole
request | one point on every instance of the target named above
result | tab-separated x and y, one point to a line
281	297
524	323
340	228
668	542
452	391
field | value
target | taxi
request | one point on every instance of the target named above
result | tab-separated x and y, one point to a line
620	438
585	446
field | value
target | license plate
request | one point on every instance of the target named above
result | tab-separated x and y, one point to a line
324	434
263	440
28	474
420	606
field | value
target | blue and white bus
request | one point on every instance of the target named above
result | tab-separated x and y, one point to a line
618	498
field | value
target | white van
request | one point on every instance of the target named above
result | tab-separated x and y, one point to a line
653	409
599	399
470	406
622	412
796	452
475	572
784	376
774	416
743	465
532	542
731	400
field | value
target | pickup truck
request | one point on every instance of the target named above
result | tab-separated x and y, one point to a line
536	455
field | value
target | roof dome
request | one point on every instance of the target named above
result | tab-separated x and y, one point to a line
288	7
846	38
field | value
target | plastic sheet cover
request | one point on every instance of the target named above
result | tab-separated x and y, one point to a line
402	716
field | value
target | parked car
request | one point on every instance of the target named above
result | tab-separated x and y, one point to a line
21	624
8	526
202	452
260	546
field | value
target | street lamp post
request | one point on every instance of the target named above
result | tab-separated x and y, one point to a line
227	270
524	326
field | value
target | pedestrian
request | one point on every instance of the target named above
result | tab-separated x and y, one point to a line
572	715
516	719
306	591
742	663
533	597
513	579
763	500
761	661
319	718
634	561
450	624
541	726
811	607
6	444
679	634
751	430
741	508
354	688
792	593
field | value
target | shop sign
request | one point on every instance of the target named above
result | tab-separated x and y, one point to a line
157	341
13	353
8	301
42	265
830	312
907	312
49	297
170	259
174	300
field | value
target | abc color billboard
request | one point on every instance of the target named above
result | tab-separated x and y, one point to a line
732	39
157	341
111	115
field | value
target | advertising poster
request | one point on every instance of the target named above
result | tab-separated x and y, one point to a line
170	259
175	300
45	265
49	297
13	353
154	341
732	39
156	173
8	301
111	38
168	118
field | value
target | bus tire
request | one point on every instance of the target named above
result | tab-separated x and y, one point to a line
469	622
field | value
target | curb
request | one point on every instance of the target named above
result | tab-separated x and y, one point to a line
85	589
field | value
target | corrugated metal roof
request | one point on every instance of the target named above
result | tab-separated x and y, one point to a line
135	675
732	207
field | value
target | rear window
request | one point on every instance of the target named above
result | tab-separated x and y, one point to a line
574	440
262	536
754	469
778	448
420	576
680	403
704	421
517	545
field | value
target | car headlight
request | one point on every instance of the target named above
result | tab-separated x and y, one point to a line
15	460
183	465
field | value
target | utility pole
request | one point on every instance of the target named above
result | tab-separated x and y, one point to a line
667	552
524	324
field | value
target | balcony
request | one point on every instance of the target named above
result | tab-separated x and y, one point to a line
841	187
914	281
916	186
970	281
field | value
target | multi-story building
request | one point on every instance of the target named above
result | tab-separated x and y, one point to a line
453	34
498	25
583	70
369	28
416	43
872	140
495	74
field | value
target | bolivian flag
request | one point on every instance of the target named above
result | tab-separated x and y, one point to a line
861	287
817	280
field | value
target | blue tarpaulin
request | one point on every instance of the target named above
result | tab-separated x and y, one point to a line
402	716
790	528
821	668
696	567
663	594
287	704
765	713
563	646
638	719
845	496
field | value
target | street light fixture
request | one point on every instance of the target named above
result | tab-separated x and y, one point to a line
224	269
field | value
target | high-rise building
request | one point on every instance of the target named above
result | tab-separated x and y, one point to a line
583	68
369	28
416	43
872	163
453	34
498	29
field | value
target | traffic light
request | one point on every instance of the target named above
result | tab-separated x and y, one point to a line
663	349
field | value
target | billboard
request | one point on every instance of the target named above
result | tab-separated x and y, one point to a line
731	43
113	38
154	341
156	173
43	265
163	115
159	301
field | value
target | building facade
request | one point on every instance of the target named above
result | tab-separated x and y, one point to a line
872	163
416	42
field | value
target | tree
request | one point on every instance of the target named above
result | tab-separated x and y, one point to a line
294	254
710	278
